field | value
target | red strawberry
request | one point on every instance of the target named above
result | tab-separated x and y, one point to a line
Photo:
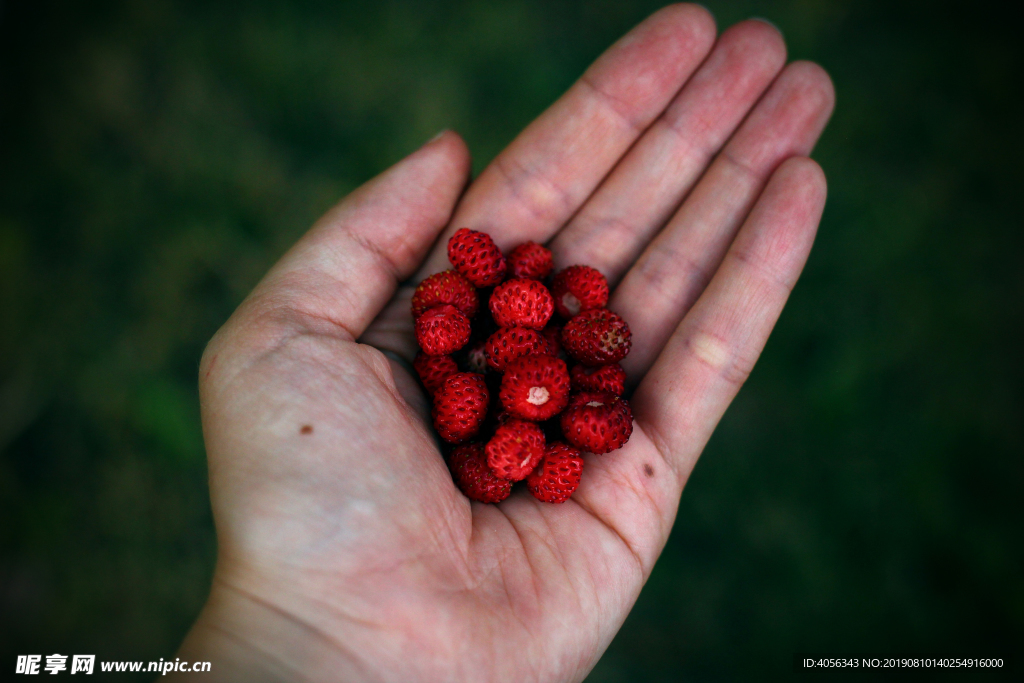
433	370
442	330
597	422
535	387
474	478
515	449
460	405
558	475
553	334
447	287
475	255
610	378
530	260
597	337
526	303
579	288
510	343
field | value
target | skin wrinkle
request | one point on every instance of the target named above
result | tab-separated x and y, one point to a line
374	572
294	315
558	556
595	233
673	40
771	276
534	574
640	489
795	107
499	568
407	237
336	609
267	655
392	330
348	219
635	125
706	124
518	179
745	168
488	569
397	272
612	528
219	384
660	265
351	656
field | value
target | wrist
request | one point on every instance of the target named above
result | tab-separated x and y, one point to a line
246	637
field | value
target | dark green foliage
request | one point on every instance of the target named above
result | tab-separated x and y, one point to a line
864	492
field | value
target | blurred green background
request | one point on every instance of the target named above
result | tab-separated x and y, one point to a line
864	491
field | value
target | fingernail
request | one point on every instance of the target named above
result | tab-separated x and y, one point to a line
442	132
770	23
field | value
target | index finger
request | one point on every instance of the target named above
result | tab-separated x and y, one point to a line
532	188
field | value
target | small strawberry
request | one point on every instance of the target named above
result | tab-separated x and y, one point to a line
597	337
526	303
442	330
579	288
509	343
610	378
515	449
535	387
447	287
531	261
460	405
553	333
433	370
475	255
468	465
597	422
558	474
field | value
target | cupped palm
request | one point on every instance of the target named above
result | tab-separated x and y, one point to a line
676	166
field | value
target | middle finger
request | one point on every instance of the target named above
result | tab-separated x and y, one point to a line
637	198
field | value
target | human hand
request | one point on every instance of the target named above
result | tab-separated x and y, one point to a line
675	167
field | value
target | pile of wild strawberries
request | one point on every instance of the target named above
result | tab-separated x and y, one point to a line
545	414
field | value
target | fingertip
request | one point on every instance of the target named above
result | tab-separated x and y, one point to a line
762	37
796	196
674	35
806	173
816	85
769	23
453	148
697	18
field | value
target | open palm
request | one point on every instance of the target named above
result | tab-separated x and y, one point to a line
676	167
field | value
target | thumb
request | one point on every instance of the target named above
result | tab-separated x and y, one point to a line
339	275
